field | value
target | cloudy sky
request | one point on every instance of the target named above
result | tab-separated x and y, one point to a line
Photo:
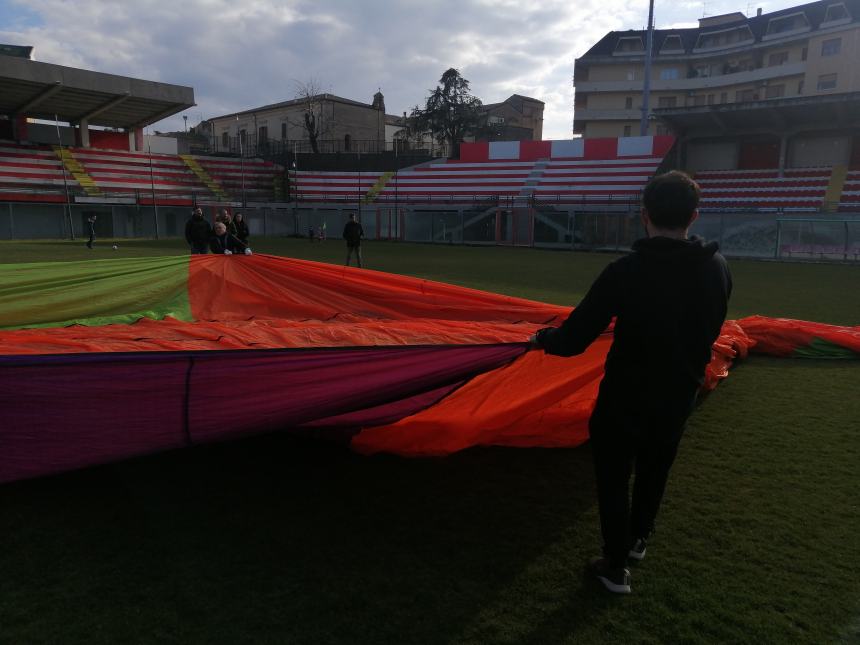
244	53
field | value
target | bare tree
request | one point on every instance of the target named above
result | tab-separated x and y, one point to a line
309	92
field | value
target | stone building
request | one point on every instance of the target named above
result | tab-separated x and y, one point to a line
343	125
517	118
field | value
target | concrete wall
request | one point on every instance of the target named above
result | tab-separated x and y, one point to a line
819	151
163	145
712	155
845	65
47	134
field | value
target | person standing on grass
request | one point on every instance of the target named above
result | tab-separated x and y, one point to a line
242	230
353	233
669	300
197	232
91	223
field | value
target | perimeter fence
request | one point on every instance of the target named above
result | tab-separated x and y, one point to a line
504	222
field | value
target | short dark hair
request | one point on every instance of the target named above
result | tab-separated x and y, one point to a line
671	199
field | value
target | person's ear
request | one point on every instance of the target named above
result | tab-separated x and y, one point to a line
643	216
694	218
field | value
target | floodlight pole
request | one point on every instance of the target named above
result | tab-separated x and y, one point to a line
241	160
646	87
152	184
65	183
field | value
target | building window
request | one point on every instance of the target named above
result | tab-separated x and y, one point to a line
710	99
777	58
627	130
774	91
787	23
283	132
744	95
347	142
628	103
724	38
827	82
800	86
225	139
836	12
667	101
804	53
631	75
672	44
724	97
669	74
831	47
242	135
630	45
662	130
263	133
699	99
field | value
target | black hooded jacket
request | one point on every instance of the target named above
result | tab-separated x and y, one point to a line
669	300
197	230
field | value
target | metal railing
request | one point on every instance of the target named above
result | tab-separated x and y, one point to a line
253	146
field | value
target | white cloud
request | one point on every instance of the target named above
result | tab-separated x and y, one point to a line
242	54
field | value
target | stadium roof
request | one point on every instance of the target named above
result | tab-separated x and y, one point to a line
43	90
833	111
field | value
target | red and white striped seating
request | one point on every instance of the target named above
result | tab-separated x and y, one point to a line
596	180
455	180
798	189
259	176
850	199
31	173
314	185
35	173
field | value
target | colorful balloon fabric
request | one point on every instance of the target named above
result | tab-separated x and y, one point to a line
108	359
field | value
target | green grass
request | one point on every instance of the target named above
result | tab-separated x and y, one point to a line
281	540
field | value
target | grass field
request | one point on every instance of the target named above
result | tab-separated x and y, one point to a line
279	540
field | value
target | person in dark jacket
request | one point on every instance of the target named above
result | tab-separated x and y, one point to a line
91	222
227	219
224	243
242	230
197	232
669	300
352	233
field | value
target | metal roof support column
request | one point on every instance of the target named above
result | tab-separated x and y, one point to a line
783	152
84	128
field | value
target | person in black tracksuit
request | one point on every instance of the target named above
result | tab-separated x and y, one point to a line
197	232
91	222
353	233
669	300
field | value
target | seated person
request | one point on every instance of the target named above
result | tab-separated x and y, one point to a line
224	243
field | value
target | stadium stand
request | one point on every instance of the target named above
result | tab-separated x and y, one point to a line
35	173
798	189
596	171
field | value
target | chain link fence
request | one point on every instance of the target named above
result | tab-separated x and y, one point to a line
763	235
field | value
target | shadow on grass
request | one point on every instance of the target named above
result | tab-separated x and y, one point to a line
278	539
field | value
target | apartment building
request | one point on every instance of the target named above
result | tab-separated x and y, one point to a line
811	50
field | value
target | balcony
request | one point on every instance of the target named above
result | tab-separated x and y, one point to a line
698	83
585	114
